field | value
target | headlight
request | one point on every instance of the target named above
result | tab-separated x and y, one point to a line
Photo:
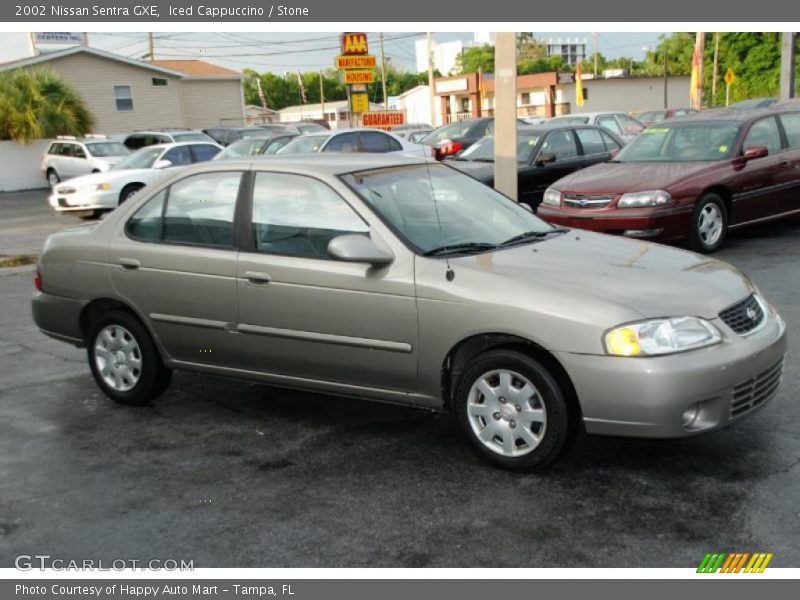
642	199
661	336
551	197
98	187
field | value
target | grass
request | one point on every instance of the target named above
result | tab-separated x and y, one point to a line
17	260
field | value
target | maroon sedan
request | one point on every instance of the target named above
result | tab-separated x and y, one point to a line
693	178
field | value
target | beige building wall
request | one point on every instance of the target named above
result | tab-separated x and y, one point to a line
209	103
94	79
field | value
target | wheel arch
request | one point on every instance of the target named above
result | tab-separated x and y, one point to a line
724	193
467	349
97	307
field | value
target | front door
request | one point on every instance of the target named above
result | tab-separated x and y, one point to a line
176	264
309	318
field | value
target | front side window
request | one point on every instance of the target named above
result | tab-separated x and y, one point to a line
610	142
145	224
297	215
439	210
123	96
629	125
561	144
609	123
200	210
763	133
203	152
179	155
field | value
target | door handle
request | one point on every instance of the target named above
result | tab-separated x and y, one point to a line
130	264
257	278
785	163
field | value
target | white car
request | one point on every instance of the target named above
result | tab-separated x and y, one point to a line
69	157
89	195
622	124
352	140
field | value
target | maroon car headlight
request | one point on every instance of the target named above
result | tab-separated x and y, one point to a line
552	197
651	198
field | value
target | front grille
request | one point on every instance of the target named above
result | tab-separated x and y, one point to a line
744	316
586	201
753	392
62	202
66	190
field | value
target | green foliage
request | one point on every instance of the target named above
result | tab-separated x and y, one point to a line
476	58
38	104
542	65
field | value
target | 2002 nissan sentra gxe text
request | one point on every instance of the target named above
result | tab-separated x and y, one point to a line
391	279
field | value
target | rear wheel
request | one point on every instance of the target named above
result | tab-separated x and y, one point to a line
709	223
52	178
513	411
128	191
124	360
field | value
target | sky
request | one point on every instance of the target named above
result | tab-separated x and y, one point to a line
280	52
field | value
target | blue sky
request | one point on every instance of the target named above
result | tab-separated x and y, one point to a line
279	52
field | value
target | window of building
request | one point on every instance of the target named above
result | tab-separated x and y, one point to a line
525	98
160	81
123	96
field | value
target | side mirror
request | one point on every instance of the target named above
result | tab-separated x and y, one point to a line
545	158
352	247
755	152
613	153
162	164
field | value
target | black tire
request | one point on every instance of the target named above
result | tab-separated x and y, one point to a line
53	175
128	191
153	376
561	420
698	239
92	215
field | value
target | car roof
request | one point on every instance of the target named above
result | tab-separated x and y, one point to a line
328	163
170	145
726	114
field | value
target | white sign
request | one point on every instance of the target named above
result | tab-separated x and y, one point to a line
47	37
451	85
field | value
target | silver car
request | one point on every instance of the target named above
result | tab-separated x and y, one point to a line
405	281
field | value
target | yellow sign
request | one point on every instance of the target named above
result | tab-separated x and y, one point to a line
730	77
360	103
363	61
352	76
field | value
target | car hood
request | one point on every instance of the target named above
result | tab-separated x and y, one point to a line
477	169
618	178
580	271
111	160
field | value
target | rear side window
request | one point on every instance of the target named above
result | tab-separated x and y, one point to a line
134	142
297	215
145	224
346	142
372	141
791	125
592	141
204	152
54	149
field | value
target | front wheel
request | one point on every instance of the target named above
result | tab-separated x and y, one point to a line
709	224
52	178
129	191
513	412
124	360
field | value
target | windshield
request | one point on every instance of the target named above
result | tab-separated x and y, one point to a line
143	159
103	149
251	147
484	149
458	129
682	142
192	137
304	144
415	199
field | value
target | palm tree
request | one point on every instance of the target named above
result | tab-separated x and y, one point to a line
38	104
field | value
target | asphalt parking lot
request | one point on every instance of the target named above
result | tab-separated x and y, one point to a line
233	474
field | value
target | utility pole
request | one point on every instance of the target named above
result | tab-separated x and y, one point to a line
594	51
666	76
383	76
788	62
505	114
150	55
699	46
431	91
322	95
716	66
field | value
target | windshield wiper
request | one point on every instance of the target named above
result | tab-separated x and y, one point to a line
528	236
460	247
481	159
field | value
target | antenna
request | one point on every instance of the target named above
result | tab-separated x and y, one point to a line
449	274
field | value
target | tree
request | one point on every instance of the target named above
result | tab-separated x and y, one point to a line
38	104
476	58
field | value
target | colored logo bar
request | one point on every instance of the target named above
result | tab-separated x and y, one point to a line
735	562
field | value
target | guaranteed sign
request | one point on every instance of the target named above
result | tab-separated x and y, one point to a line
383	120
363	61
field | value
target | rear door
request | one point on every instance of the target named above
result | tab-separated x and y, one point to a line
304	316
175	262
790	162
761	182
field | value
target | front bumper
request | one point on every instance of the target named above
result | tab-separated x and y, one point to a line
98	200
647	397
671	223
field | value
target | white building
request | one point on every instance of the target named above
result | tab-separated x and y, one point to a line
567	48
336	113
445	54
416	103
